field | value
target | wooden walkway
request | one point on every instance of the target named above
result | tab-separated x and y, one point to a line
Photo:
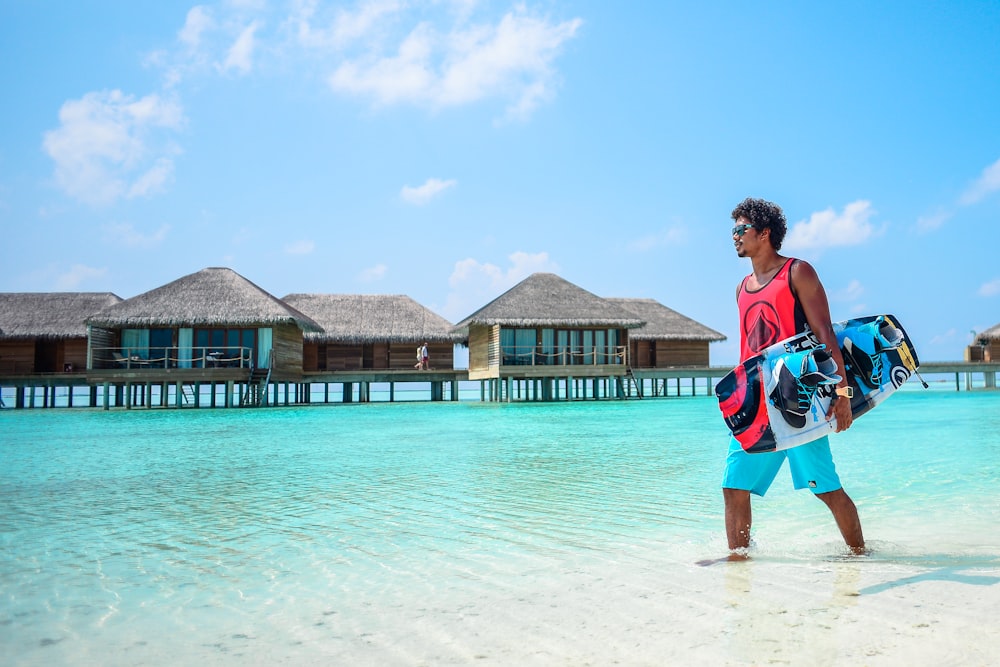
141	389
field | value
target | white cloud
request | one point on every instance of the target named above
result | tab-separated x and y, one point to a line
153	180
851	295
349	27
303	247
474	284
435	55
828	228
984	186
373	273
859	309
531	98
852	292
407	77
945	337
991	288
422	194
240	55
511	59
198	21
249	5
110	145
125	234
666	238
77	274
931	222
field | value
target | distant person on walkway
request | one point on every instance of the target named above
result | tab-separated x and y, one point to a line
420	358
425	359
780	298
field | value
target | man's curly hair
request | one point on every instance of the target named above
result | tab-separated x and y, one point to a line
763	215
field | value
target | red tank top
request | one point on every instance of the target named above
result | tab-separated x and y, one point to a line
770	314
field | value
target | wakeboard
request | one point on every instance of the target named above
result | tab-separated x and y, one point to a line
778	399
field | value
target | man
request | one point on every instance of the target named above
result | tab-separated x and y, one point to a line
777	300
425	358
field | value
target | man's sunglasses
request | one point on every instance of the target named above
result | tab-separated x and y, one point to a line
740	230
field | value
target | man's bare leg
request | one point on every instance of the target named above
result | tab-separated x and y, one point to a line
845	513
737	526
738	520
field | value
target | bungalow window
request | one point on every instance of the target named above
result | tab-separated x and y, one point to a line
547	355
517	346
135	343
559	347
161	352
249	341
225	347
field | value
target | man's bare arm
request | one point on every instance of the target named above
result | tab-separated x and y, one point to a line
816	307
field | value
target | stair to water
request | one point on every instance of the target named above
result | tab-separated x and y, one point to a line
634	380
256	388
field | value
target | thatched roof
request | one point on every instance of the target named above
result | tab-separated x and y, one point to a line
663	323
217	297
546	300
993	333
50	314
368	318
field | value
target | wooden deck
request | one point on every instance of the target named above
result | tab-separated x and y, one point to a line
222	387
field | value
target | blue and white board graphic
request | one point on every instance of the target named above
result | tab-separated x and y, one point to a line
778	399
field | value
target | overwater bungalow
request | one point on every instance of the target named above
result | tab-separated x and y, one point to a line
210	326
986	346
373	338
371	332
547	330
45	332
667	339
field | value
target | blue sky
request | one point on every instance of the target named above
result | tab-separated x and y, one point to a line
448	149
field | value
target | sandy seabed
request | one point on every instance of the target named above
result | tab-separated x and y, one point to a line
642	608
752	613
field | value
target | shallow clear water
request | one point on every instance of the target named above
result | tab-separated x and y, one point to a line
171	536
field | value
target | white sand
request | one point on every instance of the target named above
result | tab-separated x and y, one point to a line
642	610
642	607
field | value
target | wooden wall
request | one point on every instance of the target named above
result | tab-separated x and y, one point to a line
480	340
75	353
642	354
668	353
681	353
344	357
988	352
310	356
374	356
403	356
22	356
102	338
442	356
17	356
286	362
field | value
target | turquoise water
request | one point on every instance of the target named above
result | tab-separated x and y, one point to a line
295	534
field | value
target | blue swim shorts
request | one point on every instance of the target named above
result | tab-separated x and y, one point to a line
811	466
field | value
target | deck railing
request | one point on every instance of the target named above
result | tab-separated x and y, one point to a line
543	355
171	357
